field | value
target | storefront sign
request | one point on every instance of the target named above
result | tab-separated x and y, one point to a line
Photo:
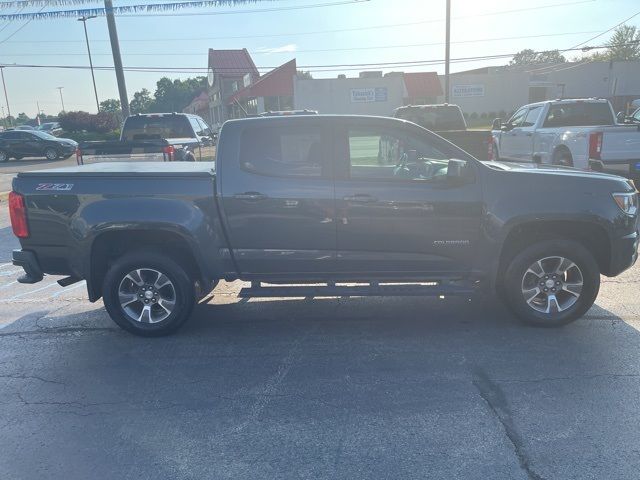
366	95
467	91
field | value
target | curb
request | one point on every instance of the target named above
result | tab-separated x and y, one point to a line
4	196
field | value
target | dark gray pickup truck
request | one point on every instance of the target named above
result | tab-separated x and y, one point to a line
323	206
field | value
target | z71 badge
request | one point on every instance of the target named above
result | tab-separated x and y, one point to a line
55	186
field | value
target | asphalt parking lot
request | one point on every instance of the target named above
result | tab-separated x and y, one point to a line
316	388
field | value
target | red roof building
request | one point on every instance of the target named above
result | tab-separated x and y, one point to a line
229	71
273	91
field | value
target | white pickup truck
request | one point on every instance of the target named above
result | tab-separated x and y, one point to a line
581	133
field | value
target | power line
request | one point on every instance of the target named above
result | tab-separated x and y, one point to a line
379	47
317	68
607	31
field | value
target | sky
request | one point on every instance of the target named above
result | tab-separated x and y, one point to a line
327	37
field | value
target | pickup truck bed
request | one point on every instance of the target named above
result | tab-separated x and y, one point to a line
331	200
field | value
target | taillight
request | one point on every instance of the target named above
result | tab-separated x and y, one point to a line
78	155
18	214
169	150
595	145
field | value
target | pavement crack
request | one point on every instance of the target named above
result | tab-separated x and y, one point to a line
30	377
496	400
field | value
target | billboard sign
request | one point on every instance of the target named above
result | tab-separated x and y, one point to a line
366	95
461	91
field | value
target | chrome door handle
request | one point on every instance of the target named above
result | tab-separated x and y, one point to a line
360	198
250	196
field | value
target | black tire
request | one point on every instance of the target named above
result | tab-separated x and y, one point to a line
562	156
518	274
51	153
116	281
4	156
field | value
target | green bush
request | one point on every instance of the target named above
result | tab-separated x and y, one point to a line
91	136
76	122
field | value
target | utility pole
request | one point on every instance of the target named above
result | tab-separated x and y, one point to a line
117	60
6	98
447	53
86	37
61	99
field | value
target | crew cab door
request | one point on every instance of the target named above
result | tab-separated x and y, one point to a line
512	139
27	145
278	197
398	213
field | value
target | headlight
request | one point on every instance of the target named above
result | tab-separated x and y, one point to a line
628	202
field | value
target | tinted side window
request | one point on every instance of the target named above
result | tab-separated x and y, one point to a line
382	155
532	116
11	135
204	128
197	129
284	151
636	115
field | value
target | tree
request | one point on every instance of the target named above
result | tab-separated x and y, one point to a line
174	95
22	118
531	57
110	105
624	44
301	74
142	102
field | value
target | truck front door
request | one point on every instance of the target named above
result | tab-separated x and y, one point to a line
510	139
398	213
278	198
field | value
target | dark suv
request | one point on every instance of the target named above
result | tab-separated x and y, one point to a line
33	143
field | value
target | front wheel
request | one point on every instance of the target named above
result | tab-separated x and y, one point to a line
148	294
51	154
4	156
551	283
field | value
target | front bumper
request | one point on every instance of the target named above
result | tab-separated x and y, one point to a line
29	263
624	253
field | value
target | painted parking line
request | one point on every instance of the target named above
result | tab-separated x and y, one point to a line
68	289
8	284
6	264
32	291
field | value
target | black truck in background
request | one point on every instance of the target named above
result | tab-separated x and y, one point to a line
448	121
325	206
155	137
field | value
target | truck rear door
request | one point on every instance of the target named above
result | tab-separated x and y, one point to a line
620	148
278	197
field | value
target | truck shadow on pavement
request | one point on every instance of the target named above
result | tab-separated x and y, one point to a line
343	388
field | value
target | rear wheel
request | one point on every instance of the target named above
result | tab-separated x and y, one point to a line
148	294
551	283
4	156
51	154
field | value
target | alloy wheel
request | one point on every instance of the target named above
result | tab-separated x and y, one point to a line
147	295
552	284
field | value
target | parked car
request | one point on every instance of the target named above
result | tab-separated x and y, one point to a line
52	128
156	136
580	133
24	127
33	143
280	113
448	121
304	200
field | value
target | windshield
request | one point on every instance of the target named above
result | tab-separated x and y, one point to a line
152	127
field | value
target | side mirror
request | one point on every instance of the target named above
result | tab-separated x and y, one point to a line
497	124
621	117
455	169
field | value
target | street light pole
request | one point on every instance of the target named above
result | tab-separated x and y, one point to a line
86	37
61	99
6	98
447	53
